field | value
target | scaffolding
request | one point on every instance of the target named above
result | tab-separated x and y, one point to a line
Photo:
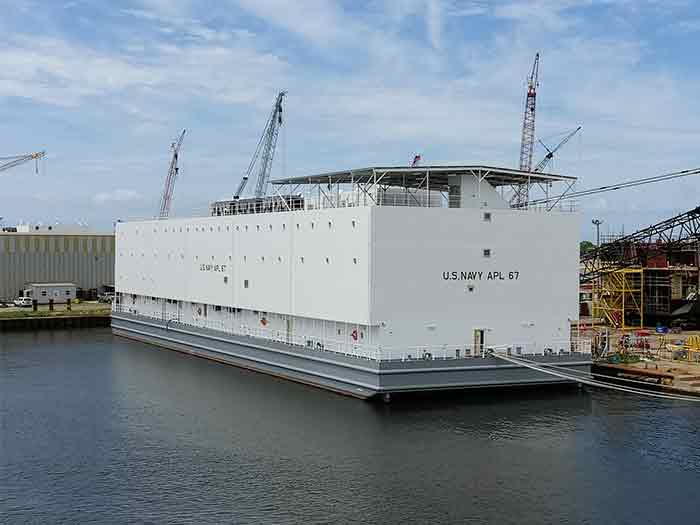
619	298
657	292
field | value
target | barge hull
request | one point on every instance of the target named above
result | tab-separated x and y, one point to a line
348	375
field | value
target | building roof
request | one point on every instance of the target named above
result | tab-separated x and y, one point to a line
45	233
405	176
51	284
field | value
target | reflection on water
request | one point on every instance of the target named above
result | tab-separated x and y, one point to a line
101	428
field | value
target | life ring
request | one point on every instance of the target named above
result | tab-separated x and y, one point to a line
263	321
354	335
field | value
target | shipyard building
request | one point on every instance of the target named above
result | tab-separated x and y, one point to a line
55	254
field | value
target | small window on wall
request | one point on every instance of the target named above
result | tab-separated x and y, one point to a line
245	283
43	293
67	292
487	216
217	308
487	253
225	279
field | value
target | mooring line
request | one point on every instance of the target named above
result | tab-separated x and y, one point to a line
592	374
592	382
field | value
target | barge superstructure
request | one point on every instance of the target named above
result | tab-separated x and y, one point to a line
368	281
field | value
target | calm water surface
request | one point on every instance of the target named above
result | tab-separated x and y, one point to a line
97	428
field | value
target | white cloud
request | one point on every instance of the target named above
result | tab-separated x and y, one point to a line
364	87
434	21
117	195
318	21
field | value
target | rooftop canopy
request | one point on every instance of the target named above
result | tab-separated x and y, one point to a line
415	176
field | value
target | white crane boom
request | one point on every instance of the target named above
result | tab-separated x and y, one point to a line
16	160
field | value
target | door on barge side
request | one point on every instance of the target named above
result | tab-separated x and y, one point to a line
478	342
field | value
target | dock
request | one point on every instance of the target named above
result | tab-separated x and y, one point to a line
663	375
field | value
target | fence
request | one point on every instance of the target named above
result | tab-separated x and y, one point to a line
374	352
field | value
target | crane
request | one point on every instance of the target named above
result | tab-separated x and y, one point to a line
541	165
638	247
16	160
265	151
554	200
167	198
527	140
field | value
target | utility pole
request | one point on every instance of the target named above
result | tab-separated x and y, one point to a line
597	223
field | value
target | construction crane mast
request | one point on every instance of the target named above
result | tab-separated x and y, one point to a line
167	198
265	151
541	165
16	160
527	140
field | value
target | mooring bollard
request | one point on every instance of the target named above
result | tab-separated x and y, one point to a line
68	304
35	303
50	305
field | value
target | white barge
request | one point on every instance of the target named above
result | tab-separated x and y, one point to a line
365	282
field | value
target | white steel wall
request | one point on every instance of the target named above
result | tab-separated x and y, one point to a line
312	264
414	304
378	267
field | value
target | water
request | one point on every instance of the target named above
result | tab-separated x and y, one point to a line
97	428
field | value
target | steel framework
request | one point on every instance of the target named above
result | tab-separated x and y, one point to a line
541	165
15	160
527	140
167	197
265	151
635	249
619	298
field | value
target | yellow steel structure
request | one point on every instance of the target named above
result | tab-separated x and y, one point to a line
619	298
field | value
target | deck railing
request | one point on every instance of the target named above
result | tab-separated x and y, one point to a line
374	352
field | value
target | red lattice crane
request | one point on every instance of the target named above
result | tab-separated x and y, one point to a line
527	141
167	198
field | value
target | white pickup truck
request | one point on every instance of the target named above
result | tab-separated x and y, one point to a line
23	301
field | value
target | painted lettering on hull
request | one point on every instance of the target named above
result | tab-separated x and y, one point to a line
493	275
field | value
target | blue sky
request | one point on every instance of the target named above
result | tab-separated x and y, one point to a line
105	86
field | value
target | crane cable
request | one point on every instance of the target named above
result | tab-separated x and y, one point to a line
592	382
619	186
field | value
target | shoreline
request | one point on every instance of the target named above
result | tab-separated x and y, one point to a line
54	322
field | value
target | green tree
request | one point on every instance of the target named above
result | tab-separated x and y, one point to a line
586	246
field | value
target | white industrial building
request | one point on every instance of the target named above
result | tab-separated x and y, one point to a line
44	293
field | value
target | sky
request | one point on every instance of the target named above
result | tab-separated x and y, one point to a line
105	86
